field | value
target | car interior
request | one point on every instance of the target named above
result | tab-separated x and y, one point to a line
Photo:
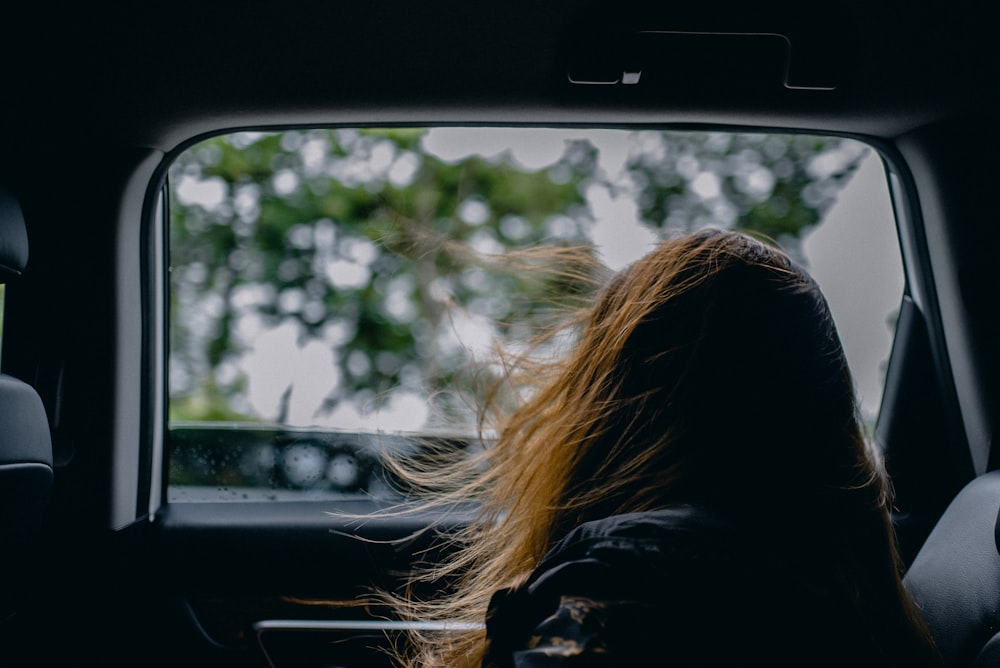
169	495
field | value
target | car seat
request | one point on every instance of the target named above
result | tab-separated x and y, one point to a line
25	442
955	578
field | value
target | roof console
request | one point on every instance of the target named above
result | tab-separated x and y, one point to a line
700	49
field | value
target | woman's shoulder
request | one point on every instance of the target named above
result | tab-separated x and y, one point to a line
674	564
650	538
687	577
651	524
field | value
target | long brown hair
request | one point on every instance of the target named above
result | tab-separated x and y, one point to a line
710	373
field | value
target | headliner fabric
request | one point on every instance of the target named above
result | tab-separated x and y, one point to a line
13	237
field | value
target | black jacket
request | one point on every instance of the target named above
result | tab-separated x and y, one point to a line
678	587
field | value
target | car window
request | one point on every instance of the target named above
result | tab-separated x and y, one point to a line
336	293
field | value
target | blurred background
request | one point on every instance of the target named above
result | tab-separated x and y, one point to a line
356	281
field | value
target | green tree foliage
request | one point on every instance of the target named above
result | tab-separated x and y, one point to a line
377	248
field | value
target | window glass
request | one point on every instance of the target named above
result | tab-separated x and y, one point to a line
332	290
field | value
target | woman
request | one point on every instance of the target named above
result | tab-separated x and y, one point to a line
690	485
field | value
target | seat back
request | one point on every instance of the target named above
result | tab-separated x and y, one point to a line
955	578
25	462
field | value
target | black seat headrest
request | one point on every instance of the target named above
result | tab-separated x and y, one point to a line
13	237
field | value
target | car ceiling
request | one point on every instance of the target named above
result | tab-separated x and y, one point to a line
154	74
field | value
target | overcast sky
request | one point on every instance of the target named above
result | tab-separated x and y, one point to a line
854	256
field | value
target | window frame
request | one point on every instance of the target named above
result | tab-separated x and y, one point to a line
910	236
